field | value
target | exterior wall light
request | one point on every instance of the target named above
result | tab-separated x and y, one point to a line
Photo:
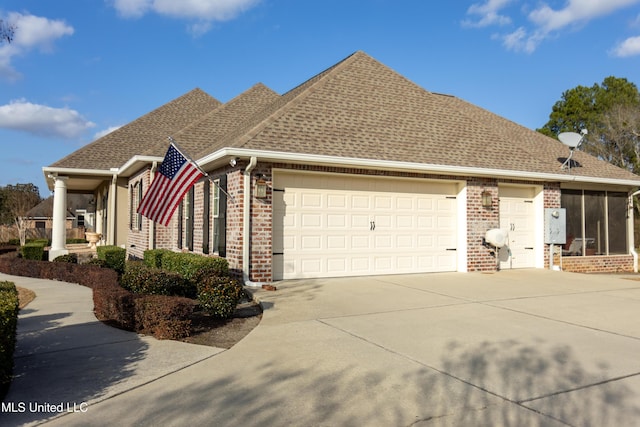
261	187
487	199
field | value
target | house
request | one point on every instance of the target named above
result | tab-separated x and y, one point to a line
79	217
357	171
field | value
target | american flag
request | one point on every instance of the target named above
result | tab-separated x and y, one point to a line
173	179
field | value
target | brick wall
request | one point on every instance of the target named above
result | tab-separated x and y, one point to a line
479	220
261	223
235	206
597	264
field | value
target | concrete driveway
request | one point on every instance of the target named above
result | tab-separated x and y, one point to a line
524	347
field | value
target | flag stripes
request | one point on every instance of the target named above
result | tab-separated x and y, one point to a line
173	179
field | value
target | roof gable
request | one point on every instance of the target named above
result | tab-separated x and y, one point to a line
360	108
201	137
146	135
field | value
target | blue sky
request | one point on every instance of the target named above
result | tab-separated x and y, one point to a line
77	69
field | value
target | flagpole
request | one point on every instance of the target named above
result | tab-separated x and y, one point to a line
175	144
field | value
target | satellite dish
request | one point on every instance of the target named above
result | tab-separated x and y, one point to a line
570	139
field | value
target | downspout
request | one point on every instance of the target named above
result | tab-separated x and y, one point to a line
112	207
246	224
630	229
152	224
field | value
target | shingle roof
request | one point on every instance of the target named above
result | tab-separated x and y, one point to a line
358	108
201	137
146	135
44	209
362	109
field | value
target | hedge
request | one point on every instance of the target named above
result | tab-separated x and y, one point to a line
83	274
153	257
142	279
33	251
163	317
188	264
8	324
113	256
219	296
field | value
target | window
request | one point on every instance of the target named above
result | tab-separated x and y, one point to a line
215	207
135	198
189	212
596	222
40	225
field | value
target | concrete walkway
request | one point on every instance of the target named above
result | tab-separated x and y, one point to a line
65	356
528	347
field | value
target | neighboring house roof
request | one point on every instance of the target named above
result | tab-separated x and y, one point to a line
356	109
146	135
44	209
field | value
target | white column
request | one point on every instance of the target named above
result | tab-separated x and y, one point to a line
59	231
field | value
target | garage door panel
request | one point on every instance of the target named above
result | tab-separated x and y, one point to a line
310	220
404	242
360	202
336	201
361	226
336	221
336	243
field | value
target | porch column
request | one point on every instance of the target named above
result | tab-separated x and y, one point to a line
59	231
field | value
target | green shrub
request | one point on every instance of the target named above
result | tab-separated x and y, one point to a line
97	261
114	257
219	296
33	251
8	324
188	264
43	242
14	242
70	258
75	241
153	257
141	279
164	317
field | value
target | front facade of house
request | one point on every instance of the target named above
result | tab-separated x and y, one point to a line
355	172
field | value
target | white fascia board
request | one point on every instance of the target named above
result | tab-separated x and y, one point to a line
130	165
47	170
404	166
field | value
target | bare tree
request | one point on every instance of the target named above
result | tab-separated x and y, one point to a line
617	138
17	200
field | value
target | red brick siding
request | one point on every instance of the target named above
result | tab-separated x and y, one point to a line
598	264
479	220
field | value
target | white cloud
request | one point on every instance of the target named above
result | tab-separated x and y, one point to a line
106	131
629	47
545	22
42	120
487	14
31	32
203	11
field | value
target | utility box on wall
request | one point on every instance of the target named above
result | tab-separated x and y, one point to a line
555	221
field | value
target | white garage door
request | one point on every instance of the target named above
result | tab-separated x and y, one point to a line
328	225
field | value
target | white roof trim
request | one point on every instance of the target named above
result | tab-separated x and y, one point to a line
406	166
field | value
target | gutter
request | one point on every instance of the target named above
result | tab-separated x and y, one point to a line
347	162
633	249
